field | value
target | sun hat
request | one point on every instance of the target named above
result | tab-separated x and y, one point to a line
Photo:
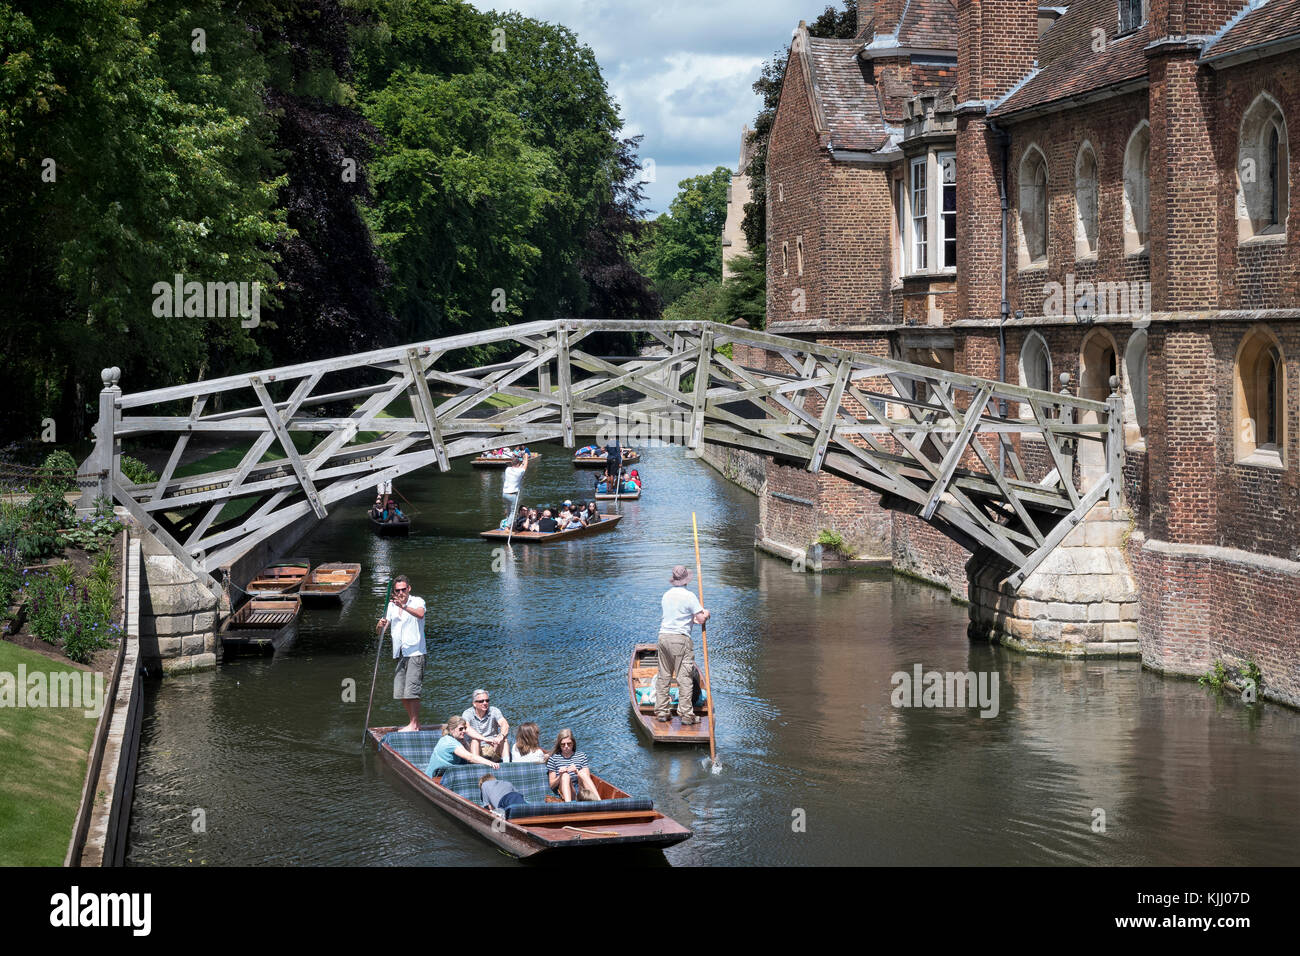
680	576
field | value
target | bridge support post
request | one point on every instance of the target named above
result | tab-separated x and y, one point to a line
1082	601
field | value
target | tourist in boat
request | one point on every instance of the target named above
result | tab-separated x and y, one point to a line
488	730
527	747
498	794
592	514
547	524
533	520
521	521
681	612
450	750
613	457
405	618
636	478
568	770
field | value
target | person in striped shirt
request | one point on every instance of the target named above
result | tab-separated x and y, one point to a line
568	770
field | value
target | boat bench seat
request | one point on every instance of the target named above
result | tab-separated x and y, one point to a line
532	781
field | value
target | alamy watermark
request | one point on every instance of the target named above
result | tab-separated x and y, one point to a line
1087	301
211	300
951	689
84	689
636	429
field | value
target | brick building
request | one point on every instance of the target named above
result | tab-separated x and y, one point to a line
1102	189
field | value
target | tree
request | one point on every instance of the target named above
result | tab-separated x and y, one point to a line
687	250
841	24
744	294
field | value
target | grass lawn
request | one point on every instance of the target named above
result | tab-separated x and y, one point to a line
44	752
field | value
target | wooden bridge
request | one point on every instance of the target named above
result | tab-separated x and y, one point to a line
933	443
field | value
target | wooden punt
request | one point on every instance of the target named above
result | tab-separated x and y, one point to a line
331	580
278	579
641	673
630	457
605	496
606	523
398	526
528	836
490	461
261	626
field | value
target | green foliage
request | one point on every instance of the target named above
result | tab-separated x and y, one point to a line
136	471
686	246
1252	673
704	303
1219	676
1215	677
62	469
834	541
75	616
10	572
744	294
94	531
38	532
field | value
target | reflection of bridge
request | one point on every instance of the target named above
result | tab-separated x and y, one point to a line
933	443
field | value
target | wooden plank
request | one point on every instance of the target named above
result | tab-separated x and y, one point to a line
1064	470
291	450
958	448
196	409
696	428
829	414
566	386
425	407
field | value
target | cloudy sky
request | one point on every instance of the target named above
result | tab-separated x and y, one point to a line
680	71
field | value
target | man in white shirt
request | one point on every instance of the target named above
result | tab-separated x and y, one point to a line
681	612
405	617
514	481
488	731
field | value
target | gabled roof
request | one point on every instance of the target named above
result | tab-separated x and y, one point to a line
1268	24
929	25
846	101
1071	67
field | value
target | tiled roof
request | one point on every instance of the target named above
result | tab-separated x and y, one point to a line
847	101
1272	21
929	24
1070	66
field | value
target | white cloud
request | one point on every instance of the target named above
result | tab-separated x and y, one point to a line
681	72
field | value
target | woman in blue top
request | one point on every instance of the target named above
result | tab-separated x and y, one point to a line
450	750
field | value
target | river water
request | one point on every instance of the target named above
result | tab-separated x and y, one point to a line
260	761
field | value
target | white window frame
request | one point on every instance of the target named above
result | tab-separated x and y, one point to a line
919	219
926	172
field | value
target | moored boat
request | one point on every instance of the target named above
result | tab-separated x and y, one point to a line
277	579
539	825
395	526
606	523
640	685
330	580
500	461
261	625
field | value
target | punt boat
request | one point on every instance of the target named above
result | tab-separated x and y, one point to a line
537	826
606	523
331	580
630	457
500	461
397	526
278	579
640	685
261	626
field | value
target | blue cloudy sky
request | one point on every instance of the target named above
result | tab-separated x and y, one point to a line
680	71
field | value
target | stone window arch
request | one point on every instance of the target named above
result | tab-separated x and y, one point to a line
1033	207
1086	219
785	258
1263	161
1097	364
1035	369
1137	188
1259	403
1135	390
798	253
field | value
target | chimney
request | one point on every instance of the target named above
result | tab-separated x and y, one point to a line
997	45
885	15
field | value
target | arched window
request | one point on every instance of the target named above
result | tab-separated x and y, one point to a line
1035	368
1097	365
1135	392
1258	401
785	258
1263	193
1137	185
1085	203
1033	207
798	253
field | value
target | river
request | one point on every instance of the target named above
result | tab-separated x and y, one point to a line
260	761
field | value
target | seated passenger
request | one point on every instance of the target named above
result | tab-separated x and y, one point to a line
567	770
547	523
533	520
498	794
450	750
521	520
591	514
636	477
488	730
527	748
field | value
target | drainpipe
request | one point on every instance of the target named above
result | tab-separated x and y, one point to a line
1004	140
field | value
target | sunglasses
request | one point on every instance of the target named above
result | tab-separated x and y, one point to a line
483	700
400	590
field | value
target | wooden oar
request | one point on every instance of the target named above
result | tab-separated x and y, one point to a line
704	640
375	676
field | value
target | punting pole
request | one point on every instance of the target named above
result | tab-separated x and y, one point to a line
375	676
704	640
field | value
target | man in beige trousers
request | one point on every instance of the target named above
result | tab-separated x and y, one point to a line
681	612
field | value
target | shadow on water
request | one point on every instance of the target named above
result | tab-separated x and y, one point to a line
819	766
